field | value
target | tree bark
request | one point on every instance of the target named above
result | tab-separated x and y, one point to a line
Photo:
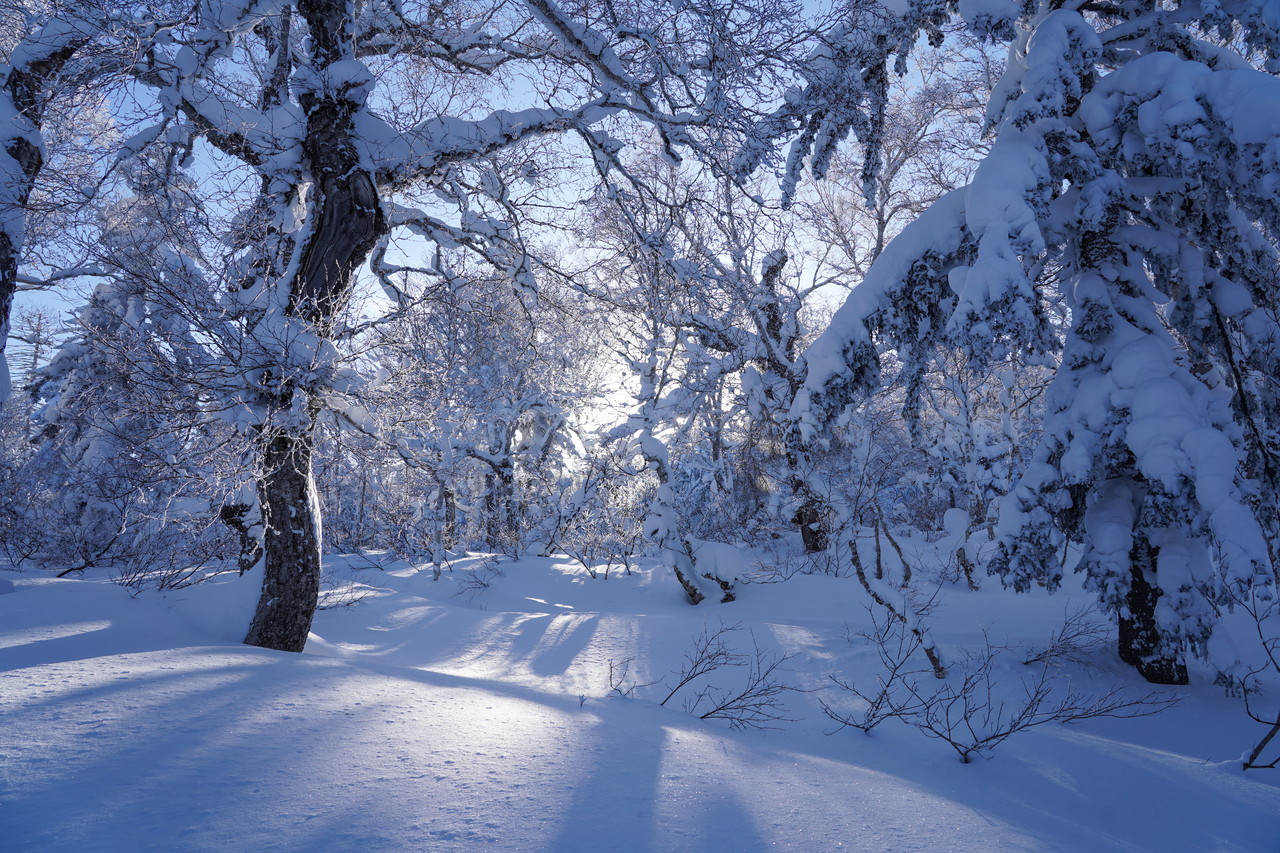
26	90
291	546
501	524
811	518
346	221
1140	643
449	523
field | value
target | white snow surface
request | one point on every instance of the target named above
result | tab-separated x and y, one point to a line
423	717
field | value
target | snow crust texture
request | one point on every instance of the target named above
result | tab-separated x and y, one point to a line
423	720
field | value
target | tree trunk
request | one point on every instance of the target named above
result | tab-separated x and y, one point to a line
491	511
25	90
1140	643
345	222
811	518
291	545
449	524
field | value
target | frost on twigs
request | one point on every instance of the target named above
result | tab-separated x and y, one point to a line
598	525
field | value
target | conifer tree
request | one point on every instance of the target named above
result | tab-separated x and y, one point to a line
1134	165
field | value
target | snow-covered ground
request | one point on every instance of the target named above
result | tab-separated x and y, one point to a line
430	716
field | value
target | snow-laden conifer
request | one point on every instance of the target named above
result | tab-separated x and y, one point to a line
1134	165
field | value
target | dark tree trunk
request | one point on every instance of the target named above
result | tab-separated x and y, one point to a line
491	514
1141	645
25	89
811	518
449	534
291	546
346	221
501	510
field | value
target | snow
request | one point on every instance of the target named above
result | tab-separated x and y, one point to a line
424	716
445	138
939	229
54	36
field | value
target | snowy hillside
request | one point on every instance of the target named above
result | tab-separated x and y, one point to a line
450	715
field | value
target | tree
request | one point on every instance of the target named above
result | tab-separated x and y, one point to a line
320	108
929	142
55	53
652	291
1133	153
22	102
127	441
480	408
36	331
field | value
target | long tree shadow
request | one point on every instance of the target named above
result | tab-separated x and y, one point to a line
289	753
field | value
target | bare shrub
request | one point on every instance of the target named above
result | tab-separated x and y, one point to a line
754	702
174	553
1082	636
620	675
1264	612
338	591
778	563
896	648
971	711
478	578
